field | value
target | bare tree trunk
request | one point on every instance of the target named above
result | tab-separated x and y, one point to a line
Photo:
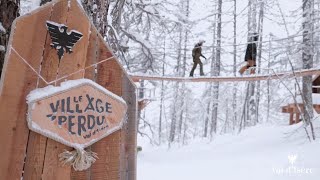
179	51
9	10
185	124
254	15
185	8
216	73
162	91
173	115
234	99
225	127
268	81
317	34
186	33
180	112
307	59
206	122
252	104
250	108
249	14
161	110
177	98
260	30
245	110
213	58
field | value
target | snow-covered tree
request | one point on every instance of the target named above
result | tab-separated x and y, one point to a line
9	10
307	59
216	72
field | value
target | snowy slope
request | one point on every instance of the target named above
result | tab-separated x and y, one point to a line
259	152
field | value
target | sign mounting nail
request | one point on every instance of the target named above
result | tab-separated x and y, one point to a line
62	40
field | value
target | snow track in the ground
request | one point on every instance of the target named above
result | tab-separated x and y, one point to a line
257	153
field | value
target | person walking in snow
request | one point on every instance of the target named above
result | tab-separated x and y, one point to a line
251	54
196	53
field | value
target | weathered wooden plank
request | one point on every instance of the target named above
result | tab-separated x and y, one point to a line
15	88
37	143
129	138
297	118
132	174
110	77
70	63
52	167
109	159
13	129
92	53
35	156
104	52
291	119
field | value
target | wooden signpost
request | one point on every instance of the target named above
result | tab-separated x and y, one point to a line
51	53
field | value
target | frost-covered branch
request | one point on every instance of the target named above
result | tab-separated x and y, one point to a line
143	43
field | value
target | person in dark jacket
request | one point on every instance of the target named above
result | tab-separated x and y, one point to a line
196	53
251	54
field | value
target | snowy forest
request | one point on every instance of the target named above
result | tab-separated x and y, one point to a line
155	38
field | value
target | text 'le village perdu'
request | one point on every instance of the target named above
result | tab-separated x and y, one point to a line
80	113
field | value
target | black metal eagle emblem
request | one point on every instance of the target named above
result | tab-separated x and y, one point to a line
62	40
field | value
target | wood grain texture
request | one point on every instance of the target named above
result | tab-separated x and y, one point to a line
129	131
295	110
108	167
52	168
37	143
13	130
15	88
70	63
92	55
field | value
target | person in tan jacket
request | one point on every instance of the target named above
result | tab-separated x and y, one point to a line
196	53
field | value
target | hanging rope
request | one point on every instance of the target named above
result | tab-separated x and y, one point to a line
61	78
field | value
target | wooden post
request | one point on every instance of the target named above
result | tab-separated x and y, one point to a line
297	118
291	119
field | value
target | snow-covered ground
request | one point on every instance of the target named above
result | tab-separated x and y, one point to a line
264	152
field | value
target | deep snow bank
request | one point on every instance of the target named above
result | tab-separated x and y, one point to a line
264	152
